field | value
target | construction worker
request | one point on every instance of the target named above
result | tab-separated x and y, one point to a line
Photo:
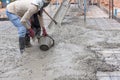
35	25
19	13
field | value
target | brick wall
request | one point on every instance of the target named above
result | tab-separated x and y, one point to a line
117	3
106	2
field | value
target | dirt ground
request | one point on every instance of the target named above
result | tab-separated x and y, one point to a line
74	56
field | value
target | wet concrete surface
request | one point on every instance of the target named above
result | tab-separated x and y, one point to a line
82	51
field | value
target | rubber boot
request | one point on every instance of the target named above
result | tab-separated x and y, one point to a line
27	41
22	44
38	32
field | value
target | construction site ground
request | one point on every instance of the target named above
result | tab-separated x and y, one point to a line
83	50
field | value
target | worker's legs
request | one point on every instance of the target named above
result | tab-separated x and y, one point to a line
27	40
36	25
21	29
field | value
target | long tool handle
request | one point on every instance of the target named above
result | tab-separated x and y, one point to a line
50	17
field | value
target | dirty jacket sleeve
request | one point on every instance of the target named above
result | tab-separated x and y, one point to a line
25	19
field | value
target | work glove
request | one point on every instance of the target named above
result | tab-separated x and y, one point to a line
44	31
31	32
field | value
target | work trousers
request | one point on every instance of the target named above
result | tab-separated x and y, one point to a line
17	23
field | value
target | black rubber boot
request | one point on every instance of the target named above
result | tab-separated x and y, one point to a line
27	41
22	44
38	33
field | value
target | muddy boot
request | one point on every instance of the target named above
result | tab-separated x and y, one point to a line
22	44
27	41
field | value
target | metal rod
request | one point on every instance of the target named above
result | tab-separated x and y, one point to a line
85	10
112	9
109	9
50	16
79	3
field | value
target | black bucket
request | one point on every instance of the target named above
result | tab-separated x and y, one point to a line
46	42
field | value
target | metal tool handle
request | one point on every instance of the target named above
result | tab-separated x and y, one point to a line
50	16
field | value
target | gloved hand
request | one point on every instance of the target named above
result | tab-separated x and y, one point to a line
44	32
31	32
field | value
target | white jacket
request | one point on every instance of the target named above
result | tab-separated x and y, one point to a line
25	9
